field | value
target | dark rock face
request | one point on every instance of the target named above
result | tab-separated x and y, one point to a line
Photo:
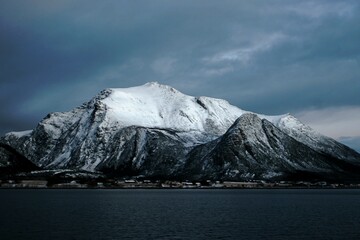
12	162
149	152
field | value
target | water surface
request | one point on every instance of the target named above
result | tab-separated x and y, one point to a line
179	214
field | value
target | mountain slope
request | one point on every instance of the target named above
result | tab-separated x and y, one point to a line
304	134
254	148
155	130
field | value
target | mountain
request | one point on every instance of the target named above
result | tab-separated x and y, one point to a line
255	148
156	131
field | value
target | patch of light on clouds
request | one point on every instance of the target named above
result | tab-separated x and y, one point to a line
335	122
319	9
216	71
246	54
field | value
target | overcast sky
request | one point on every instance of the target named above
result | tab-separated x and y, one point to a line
271	57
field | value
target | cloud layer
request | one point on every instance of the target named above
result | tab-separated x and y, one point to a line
270	57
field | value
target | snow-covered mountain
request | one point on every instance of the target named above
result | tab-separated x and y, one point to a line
155	130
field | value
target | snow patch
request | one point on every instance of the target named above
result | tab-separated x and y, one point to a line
20	134
159	106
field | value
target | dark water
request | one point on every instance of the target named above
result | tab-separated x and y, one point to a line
180	214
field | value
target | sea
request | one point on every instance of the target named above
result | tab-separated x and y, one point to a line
179	214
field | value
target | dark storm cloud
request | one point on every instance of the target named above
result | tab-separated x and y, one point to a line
265	56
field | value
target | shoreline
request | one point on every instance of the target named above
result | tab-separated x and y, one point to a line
168	184
169	188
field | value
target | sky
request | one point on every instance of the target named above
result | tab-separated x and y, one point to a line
271	57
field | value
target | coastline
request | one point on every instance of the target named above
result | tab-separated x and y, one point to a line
43	184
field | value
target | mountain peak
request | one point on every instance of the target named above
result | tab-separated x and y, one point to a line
138	90
247	118
156	84
148	86
153	83
157	105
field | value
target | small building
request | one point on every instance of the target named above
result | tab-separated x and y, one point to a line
188	185
164	185
130	181
217	184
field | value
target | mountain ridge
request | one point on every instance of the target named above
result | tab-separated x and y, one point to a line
155	130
